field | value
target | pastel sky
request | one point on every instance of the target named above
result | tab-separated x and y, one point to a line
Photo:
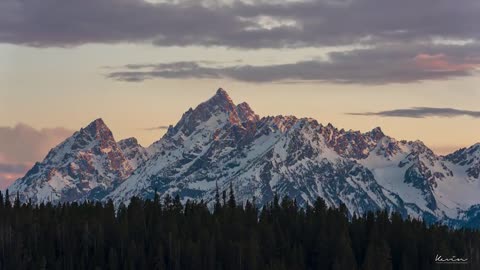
411	67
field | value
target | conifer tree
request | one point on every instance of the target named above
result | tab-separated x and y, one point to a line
231	198
16	203
2	202
156	198
217	205
8	203
224	198
172	235
378	255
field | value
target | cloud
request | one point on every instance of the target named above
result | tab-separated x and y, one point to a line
239	24
11	172
389	64
422	112
431	29
23	143
21	146
156	128
6	179
442	63
13	168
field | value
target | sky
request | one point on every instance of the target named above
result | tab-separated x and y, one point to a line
411	67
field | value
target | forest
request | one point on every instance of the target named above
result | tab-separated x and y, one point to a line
166	234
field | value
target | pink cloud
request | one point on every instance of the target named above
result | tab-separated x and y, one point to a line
6	179
21	146
443	63
10	171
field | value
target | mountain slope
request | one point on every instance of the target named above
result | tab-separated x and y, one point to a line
220	144
215	144
84	166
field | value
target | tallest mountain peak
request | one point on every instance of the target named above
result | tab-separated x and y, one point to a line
221	91
219	109
221	101
221	96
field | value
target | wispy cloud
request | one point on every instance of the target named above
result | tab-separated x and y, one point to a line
156	128
390	64
422	112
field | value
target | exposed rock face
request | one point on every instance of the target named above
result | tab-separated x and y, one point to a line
246	114
220	143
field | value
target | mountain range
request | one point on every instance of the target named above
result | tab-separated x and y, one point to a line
219	144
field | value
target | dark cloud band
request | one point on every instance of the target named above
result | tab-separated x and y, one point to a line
422	112
257	24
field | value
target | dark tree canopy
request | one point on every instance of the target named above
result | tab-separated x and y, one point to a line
166	234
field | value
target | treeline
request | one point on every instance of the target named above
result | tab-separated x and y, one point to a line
166	234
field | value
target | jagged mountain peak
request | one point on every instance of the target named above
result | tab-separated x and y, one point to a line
221	92
217	111
376	133
419	147
221	98
351	143
471	150
95	135
281	122
132	141
97	123
97	128
245	113
220	102
469	158
133	151
84	166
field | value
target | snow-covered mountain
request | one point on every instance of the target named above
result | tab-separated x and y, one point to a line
85	166
133	152
468	159
220	143
214	145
